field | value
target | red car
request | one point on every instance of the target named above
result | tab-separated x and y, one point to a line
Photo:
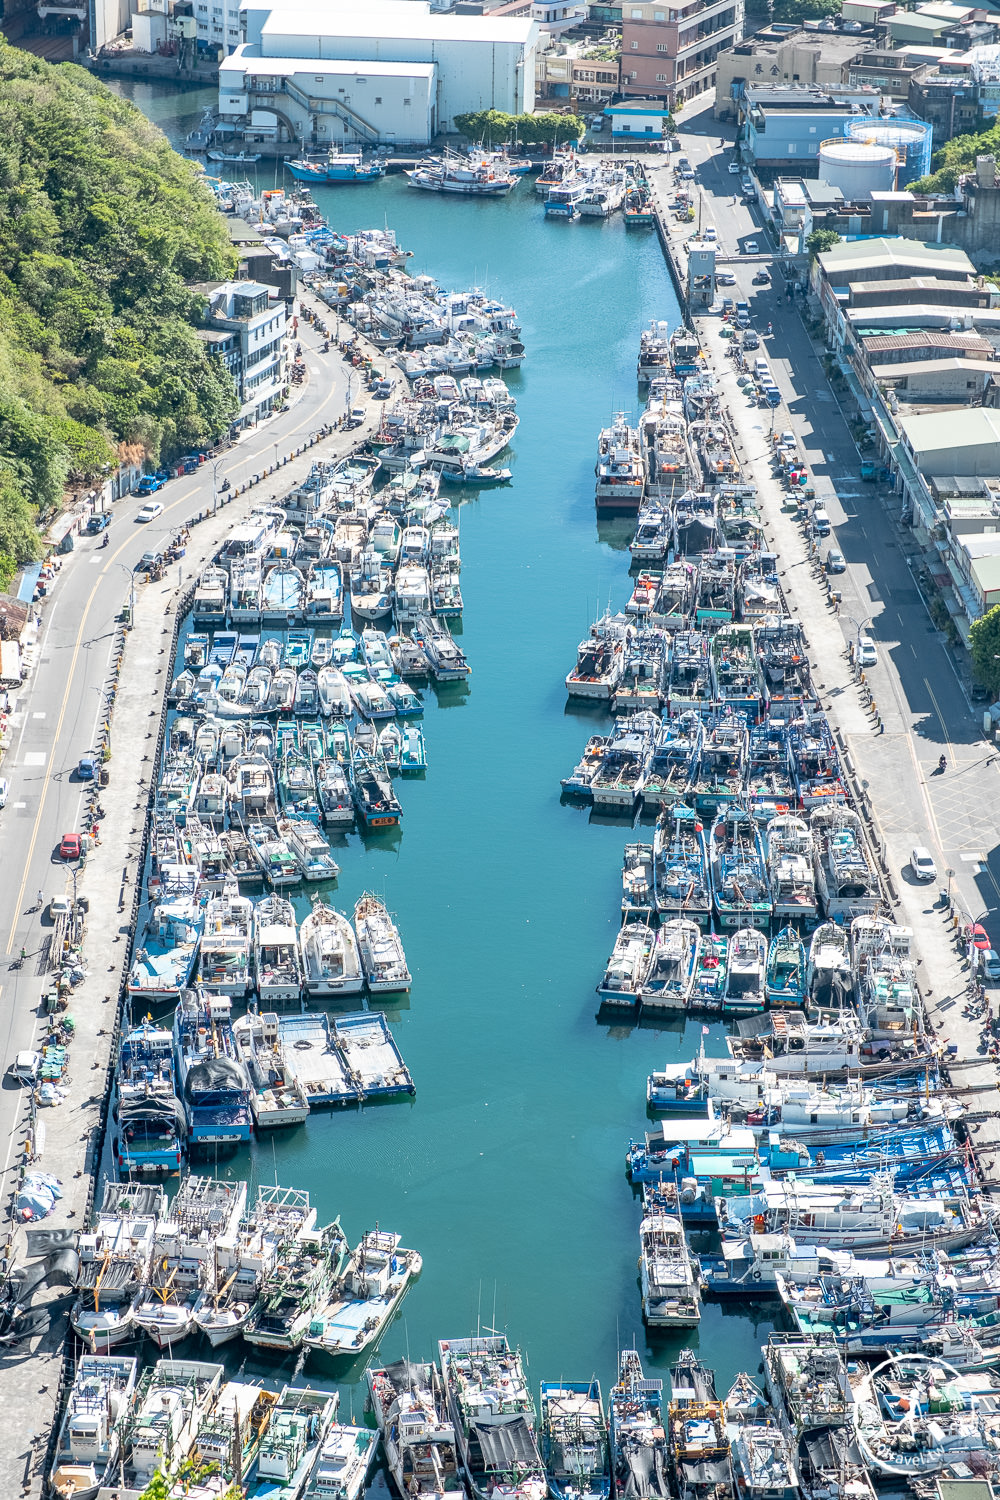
978	935
70	848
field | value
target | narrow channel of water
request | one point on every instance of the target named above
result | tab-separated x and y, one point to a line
507	1170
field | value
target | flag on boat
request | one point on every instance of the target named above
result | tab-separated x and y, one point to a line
705	1030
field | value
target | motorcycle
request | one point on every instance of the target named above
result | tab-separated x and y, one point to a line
107	538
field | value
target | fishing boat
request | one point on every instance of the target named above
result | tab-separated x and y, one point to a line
167	953
390	742
297	785
336	167
171	1401
89	1445
213	1083
738	867
334	791
790	1044
418	1434
375	801
364	1299
637	881
886	994
283	593
412	751
574	1440
790	868
493	1417
620	469
452	173
598	660
274	856
681	881
277	1098
785	980
673	765
846	877
628	967
444	657
182	1264
243	1263
151	1126
344	1463
829	979
745	993
334	693
698	1432
618	781
276	952
310	848
300	1282
380	948
329	949
670	1296
639	1463
579	783
818	774
291	1444
225	961
669	981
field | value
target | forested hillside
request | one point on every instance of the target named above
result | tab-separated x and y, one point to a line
101	226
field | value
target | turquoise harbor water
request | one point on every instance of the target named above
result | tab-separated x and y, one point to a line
507	1170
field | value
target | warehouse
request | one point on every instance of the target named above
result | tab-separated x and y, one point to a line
319	72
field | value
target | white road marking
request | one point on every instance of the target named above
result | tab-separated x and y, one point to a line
35	758
40	715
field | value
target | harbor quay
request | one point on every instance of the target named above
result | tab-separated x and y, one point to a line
252	725
67	1142
919	713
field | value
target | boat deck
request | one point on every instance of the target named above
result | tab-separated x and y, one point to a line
373	1060
316	1061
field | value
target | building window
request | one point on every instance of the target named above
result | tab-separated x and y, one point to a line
637	15
407	101
635	46
378	99
659	15
812	129
634	77
661	77
792	148
662	47
319	80
359	81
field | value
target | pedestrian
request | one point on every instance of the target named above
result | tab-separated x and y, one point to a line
38	622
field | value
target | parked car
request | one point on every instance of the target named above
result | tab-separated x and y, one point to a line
59	906
151	511
70	847
734	168
990	964
710	234
761	278
26	1066
835	562
4	791
148	485
822	521
922	863
87	767
725	278
750	339
98	522
867	652
980	940
749	247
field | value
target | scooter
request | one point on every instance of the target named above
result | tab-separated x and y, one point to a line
107	539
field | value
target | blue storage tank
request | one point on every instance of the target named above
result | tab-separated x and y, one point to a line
910	139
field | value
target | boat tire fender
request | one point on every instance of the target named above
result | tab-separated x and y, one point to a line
755	1275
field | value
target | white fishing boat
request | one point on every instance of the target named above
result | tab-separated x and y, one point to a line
829	980
114	1260
90	1435
846	876
172	1401
334	791
669	981
276	952
745	992
344	1463
291	1444
243	1263
334	694
277	1098
182	1267
628	966
416	1428
311	850
225	963
670	1297
329	948
373	1284
380	948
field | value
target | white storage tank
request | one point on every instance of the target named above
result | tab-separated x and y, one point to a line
857	168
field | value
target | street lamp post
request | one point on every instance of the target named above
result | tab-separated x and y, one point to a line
858	629
215	486
131	592
275	446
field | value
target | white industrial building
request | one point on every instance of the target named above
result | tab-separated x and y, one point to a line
325	73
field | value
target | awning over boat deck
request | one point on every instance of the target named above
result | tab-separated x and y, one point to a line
504	1443
708	1471
830	1448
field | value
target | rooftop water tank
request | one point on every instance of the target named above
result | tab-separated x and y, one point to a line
910	139
857	168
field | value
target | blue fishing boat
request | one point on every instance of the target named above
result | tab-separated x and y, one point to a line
213	1082
786	969
165	957
818	775
338	167
721	772
298	648
738	867
674	762
412	753
149	1117
770	784
283	593
223	647
681	886
712	971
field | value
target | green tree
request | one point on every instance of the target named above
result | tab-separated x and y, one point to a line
821	240
984	647
955	157
492	127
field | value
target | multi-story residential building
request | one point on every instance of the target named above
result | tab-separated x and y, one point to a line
777	55
787	125
570	70
247	327
669	50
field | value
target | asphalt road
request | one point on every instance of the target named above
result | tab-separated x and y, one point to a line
56	714
921	696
